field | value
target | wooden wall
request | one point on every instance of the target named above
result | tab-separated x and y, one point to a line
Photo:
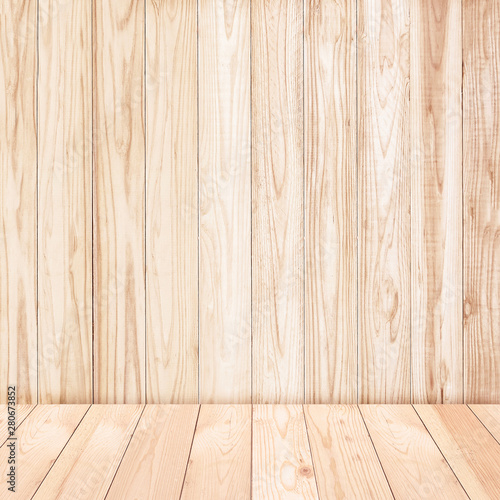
234	201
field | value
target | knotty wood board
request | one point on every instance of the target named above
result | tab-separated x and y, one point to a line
331	201
383	201
18	195
436	201
225	201
469	448
277	202
40	440
489	415
412	462
65	204
338	439
220	460
119	184
281	459
155	462
22	411
481	171
172	202
89	461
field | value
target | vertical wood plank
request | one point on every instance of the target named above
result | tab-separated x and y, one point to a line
277	202
481	129
65	200
220	460
172	202
225	201
384	201
18	171
119	288
331	201
436	211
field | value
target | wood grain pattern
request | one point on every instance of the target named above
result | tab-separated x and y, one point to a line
281	461
21	412
481	171
277	202
331	201
40	440
469	448
384	201
119	288
489	415
18	194
225	201
412	462
155	462
436	201
88	463
220	461
338	439
172	206
65	205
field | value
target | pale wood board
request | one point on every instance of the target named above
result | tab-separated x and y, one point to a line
225	201
88	463
155	462
469	448
40	440
345	462
65	204
220	461
384	201
21	412
119	185
411	460
281	459
18	195
436	201
331	201
481	170
277	202
489	415
172	202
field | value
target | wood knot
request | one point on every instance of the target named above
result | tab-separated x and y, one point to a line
306	471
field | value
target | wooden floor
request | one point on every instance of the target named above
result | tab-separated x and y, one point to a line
264	451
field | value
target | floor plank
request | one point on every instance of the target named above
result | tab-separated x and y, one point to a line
345	462
220	460
40	440
21	412
277	201
282	466
384	201
155	462
490	417
481	171
18	195
471	451
225	202
411	460
88	463
119	286
172	201
331	201
65	205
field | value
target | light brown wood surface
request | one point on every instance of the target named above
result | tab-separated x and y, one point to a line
65	203
281	461
225	201
18	199
331	201
20	411
221	456
338	439
155	463
119	178
436	208
172	206
383	201
411	460
489	415
481	171
88	463
277	202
